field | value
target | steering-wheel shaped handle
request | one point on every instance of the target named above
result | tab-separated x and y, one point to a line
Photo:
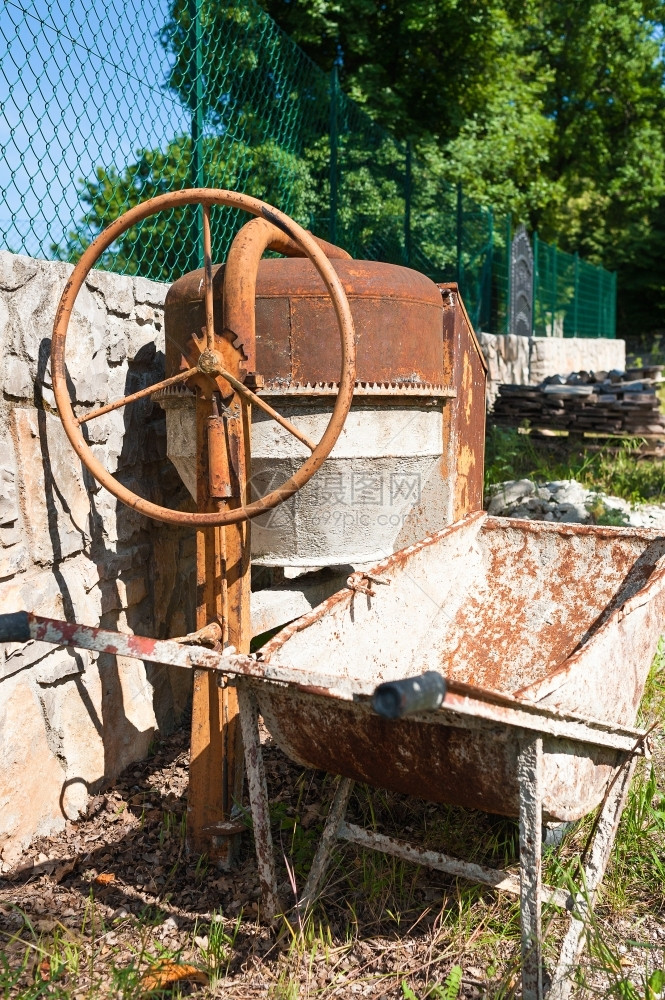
209	361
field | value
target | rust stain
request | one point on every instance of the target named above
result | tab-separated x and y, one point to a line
547	616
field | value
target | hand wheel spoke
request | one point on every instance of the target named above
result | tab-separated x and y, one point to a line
207	279
252	397
180	377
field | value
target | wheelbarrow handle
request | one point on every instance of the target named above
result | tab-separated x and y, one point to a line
14	627
394	699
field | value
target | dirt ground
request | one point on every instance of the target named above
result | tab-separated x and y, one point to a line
115	900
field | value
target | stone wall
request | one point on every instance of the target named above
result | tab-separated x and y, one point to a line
528	360
71	720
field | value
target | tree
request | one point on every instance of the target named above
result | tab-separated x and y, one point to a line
552	110
165	246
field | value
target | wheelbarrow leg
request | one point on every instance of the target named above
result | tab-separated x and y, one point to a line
328	838
599	852
529	776
258	798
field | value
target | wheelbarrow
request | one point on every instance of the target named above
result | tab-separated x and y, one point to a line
544	634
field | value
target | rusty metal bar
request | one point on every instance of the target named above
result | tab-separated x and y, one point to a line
593	870
258	797
207	279
252	397
484	705
493	877
331	831
141	394
529	777
470	712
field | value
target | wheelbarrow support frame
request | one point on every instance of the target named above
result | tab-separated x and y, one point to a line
528	886
463	705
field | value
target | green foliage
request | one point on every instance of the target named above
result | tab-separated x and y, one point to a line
448	990
613	470
166	245
550	109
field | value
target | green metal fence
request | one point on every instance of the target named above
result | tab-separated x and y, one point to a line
571	298
108	103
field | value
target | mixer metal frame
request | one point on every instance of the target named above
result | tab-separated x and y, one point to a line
222	372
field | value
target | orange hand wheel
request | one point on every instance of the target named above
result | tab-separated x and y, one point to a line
209	362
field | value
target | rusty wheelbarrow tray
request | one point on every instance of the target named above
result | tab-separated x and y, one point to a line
545	634
534	625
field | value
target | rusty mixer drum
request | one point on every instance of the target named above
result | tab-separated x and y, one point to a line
391	478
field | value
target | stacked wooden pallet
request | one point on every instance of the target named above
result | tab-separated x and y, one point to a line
596	402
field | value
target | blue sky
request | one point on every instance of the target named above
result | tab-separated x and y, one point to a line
81	85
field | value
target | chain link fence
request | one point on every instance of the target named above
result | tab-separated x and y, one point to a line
107	104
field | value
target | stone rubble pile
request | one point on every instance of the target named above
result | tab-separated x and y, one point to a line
613	402
567	501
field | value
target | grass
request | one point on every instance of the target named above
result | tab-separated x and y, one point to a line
611	469
384	926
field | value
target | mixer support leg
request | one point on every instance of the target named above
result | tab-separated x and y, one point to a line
529	776
597	856
258	797
326	844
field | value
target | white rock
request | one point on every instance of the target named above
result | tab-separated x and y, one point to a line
510	492
151	292
117	290
53	494
19	380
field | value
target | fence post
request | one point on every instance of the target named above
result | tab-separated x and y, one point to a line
196	59
488	271
460	227
509	268
576	292
536	283
407	203
555	255
332	224
612	332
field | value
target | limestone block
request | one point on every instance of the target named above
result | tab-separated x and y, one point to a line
91	381
4	323
32	305
71	592
36	591
31	776
9	510
146	327
19	381
121	524
116	289
16	270
79	584
131	590
560	356
53	495
152	293
507	357
61	663
128	715
74	728
116	351
13	559
110	451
